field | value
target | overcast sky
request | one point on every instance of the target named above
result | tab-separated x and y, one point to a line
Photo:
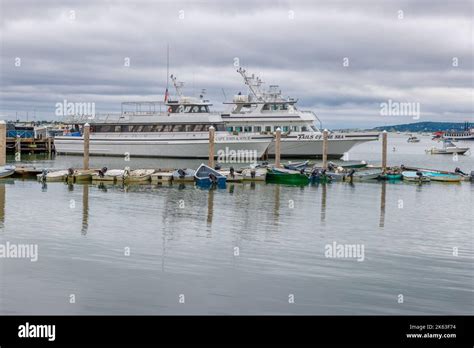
405	51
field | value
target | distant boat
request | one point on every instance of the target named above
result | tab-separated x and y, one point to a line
296	165
413	139
207	176
6	171
415	176
448	149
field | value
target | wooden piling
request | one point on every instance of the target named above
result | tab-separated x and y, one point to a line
384	151
18	148
49	146
86	136
3	143
212	131
325	149
277	147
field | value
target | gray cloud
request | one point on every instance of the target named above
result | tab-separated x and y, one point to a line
299	45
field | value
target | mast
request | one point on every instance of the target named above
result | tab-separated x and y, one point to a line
167	66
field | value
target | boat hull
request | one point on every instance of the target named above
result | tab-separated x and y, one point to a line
294	147
173	146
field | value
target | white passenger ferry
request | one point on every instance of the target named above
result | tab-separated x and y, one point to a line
266	111
177	128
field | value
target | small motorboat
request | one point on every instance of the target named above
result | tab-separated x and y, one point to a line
81	175
108	175
207	176
184	175
413	139
363	175
232	175
443	177
393	174
448	149
254	174
296	165
287	176
415	176
54	176
137	175
6	171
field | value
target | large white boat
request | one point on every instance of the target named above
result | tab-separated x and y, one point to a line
266	111
181	130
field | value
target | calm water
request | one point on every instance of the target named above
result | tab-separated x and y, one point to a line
408	232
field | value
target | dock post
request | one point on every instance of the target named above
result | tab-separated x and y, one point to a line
49	146
18	148
384	151
3	143
86	136
211	146
277	147
325	149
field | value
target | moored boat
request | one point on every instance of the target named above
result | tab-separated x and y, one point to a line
50	176
363	175
415	176
231	175
137	175
108	175
6	171
434	176
207	176
448	149
161	177
184	175
286	176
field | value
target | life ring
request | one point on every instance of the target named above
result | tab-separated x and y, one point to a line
170	109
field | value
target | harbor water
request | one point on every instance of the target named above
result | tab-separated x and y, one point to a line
247	249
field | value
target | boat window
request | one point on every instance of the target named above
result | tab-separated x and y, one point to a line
257	129
304	129
314	128
247	129
268	128
238	129
285	128
219	127
178	128
199	128
147	128
284	106
195	108
230	129
166	128
295	128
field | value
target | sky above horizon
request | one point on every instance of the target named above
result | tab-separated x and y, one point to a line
345	60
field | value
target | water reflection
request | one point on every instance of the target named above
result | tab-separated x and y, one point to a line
382	204
323	202
276	209
2	205
85	209
210	206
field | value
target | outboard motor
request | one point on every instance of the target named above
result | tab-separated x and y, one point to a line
70	171
459	171
217	167
102	172
213	178
331	166
181	173
472	176
232	174
43	175
253	173
350	175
